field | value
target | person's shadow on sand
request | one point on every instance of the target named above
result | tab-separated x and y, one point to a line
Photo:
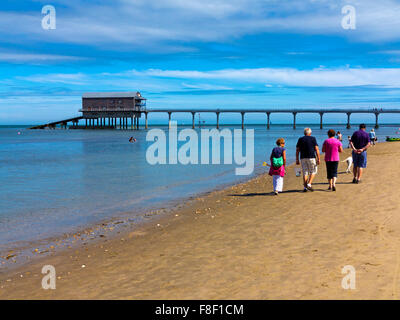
320	183
255	194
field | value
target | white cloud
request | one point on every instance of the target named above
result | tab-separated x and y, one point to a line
158	80
205	86
73	78
148	23
32	57
319	77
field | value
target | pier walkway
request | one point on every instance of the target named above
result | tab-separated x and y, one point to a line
62	123
122	122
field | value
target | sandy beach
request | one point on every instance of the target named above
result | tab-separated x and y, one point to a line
244	243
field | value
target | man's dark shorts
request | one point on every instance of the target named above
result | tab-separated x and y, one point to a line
360	160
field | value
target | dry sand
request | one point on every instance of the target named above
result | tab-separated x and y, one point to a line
244	243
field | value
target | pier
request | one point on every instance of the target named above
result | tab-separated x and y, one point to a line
269	111
122	110
62	123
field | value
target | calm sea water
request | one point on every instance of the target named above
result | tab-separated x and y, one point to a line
56	181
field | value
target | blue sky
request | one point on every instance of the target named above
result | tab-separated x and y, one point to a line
198	53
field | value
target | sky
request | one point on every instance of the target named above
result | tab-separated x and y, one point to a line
199	53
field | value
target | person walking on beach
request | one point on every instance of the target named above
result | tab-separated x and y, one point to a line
349	140
360	142
307	149
372	136
339	136
278	163
331	148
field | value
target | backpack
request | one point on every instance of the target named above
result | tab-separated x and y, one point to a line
277	162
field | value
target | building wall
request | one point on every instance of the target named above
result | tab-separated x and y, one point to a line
110	114
94	104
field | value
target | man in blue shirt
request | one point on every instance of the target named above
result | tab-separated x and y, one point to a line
307	152
360	142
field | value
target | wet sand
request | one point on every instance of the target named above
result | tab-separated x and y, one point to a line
244	243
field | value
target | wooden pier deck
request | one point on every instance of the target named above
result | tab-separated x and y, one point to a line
63	123
111	121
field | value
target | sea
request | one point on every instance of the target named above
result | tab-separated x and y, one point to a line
54	182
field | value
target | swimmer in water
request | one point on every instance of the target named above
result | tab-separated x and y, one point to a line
132	139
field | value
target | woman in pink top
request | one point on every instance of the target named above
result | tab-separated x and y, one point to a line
331	148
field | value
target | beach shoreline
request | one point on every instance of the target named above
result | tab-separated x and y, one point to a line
27	252
234	243
70	219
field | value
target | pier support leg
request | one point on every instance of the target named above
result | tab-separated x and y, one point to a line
294	120
145	119
321	115
217	113
268	120
376	120
169	120
132	123
193	115
242	120
348	120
